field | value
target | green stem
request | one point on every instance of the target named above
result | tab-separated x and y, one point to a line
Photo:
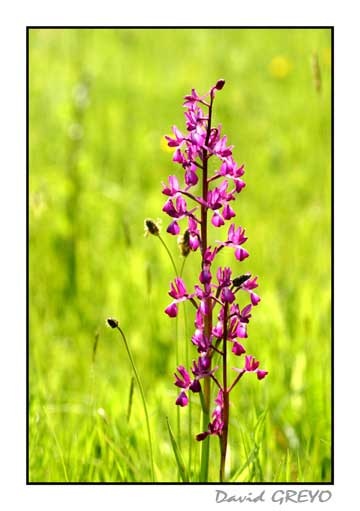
205	444
182	267
142	398
169	254
177	356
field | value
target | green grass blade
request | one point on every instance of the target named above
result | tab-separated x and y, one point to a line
254	453
179	459
131	393
250	459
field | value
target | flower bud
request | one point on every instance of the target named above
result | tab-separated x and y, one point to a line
112	323
220	84
151	227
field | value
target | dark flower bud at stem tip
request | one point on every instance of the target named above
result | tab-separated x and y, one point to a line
152	227
240	280
220	84
112	323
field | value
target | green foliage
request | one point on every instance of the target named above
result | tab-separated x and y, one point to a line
177	453
100	101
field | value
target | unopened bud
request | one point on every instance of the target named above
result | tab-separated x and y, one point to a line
220	84
240	280
151	227
112	323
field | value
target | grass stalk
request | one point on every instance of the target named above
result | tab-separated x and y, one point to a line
138	381
169	254
177	354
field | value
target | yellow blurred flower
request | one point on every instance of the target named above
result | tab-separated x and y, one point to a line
164	145
280	67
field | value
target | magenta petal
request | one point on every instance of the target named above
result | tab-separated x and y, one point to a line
217	220
251	364
185	382
171	142
241	254
179	136
261	374
245	312
170	209
166	190
248	363
255	299
172	310
181	287
241	331
191	178
250	283
238	349
173	228
218	329
231	232
204	307
198	336
192	225
195	386
174	183
182	399
228	212
199	320
178	156
239	185
255	364
227	295
194	242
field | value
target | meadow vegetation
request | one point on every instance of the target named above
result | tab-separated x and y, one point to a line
100	102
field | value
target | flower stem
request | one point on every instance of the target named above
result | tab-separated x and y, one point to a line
216	381
178	420
190	195
235	381
169	254
224	434
205	444
138	381
182	267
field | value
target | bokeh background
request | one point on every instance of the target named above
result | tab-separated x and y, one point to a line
100	101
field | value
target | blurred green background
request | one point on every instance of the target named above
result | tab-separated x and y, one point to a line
100	102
